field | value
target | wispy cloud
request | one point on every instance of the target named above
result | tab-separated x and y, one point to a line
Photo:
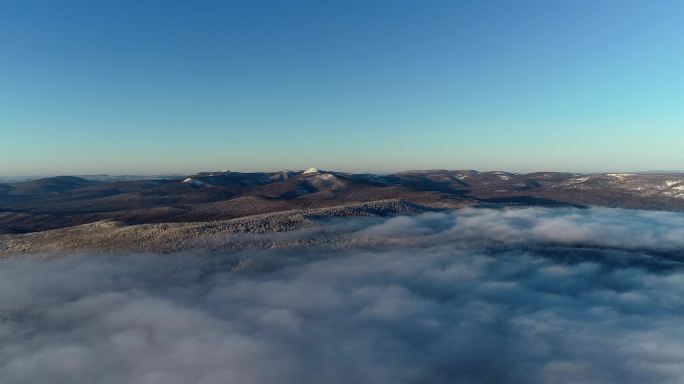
620	228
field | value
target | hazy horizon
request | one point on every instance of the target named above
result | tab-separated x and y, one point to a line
192	172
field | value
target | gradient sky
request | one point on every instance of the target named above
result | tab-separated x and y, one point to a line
175	87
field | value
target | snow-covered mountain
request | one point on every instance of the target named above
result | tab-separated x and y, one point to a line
65	200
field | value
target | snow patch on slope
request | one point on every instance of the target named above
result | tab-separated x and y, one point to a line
192	181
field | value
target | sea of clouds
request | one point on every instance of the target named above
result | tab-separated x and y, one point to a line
487	296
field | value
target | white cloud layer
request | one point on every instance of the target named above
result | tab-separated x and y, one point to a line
453	309
603	227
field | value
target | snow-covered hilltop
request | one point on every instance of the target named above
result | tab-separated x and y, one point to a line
310	171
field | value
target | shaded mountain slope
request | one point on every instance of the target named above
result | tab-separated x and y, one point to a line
64	201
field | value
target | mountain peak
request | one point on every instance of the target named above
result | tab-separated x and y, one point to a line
310	171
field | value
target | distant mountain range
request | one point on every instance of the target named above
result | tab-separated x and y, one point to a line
63	201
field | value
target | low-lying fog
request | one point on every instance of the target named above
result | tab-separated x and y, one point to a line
487	296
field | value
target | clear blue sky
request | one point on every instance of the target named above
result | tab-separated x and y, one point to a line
163	86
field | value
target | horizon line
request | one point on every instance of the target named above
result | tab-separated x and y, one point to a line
181	174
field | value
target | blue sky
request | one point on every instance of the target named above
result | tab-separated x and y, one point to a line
172	87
